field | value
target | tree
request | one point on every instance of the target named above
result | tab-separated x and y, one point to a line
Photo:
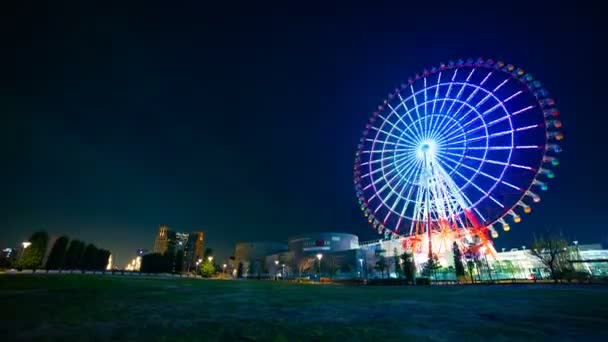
409	267
431	266
549	251
58	254
473	261
207	268
72	256
34	254
381	265
458	265
89	256
101	259
179	261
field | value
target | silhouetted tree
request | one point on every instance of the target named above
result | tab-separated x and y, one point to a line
381	265
549	251
431	266
88	258
57	255
72	257
409	267
34	254
458	265
155	263
101	260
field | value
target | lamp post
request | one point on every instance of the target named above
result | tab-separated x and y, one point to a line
25	245
224	268
319	257
276	269
361	263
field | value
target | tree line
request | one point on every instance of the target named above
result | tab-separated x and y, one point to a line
63	255
174	262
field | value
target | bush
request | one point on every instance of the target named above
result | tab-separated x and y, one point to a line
423	281
388	282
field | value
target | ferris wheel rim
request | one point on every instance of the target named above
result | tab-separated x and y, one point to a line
525	190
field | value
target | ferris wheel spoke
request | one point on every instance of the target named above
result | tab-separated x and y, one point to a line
500	85
467	180
407	201
399	194
522	110
472	109
447	96
491	148
478	171
473	93
512	96
378	193
476	107
385	151
436	92
384	166
486	78
399	118
384	142
416	107
496	162
390	134
375	161
398	129
425	98
486	195
408	112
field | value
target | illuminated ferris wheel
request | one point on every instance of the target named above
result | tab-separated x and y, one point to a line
457	152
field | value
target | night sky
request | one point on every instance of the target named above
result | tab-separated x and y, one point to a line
243	122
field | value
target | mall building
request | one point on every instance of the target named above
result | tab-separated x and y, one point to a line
342	255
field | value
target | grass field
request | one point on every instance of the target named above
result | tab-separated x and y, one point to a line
81	307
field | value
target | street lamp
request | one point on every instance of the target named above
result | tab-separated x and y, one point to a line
25	245
319	257
210	258
224	267
361	263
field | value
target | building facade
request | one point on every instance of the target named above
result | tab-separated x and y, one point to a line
340	255
250	257
170	241
193	250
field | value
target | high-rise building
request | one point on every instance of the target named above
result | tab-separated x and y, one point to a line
160	244
180	240
165	240
170	241
193	249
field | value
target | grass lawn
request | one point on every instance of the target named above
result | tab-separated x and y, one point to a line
125	308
